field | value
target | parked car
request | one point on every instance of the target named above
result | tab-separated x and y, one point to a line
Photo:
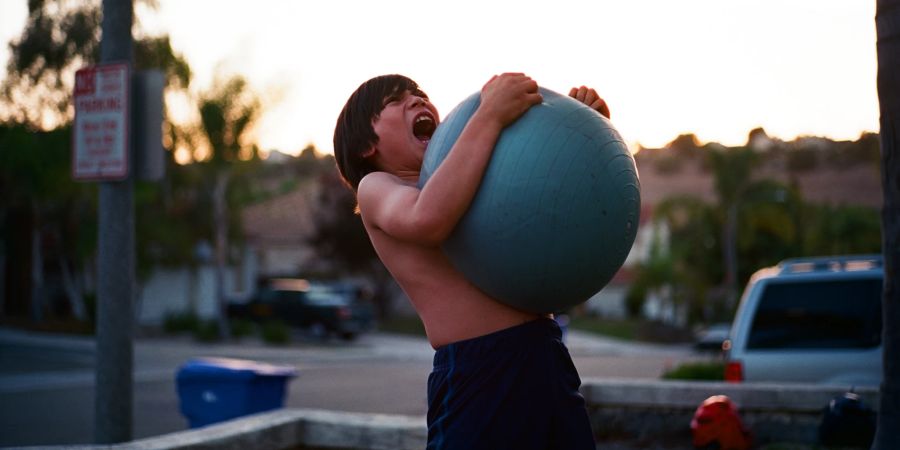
712	337
318	307
812	320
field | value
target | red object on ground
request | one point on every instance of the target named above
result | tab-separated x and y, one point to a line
716	421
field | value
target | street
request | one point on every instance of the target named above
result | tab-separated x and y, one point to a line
47	395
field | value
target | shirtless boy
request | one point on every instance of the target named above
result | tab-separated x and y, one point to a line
502	377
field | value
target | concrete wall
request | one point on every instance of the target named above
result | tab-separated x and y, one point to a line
662	410
290	429
647	412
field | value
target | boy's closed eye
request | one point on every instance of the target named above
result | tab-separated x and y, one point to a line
399	96
391	99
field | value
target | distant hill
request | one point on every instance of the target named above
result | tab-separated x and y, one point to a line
824	171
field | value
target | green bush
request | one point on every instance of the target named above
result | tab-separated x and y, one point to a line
707	370
181	322
276	332
207	331
242	328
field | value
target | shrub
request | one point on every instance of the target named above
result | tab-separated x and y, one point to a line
706	370
180	322
276	332
207	331
242	328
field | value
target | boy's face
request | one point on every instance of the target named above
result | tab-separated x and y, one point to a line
404	128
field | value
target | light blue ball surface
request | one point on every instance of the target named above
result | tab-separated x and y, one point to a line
556	212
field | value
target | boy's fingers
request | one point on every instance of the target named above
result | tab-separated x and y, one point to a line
591	98
573	93
600	106
583	94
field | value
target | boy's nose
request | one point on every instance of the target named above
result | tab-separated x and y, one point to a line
417	101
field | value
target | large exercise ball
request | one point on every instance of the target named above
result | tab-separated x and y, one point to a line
556	212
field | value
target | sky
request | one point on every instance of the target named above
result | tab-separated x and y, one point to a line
716	68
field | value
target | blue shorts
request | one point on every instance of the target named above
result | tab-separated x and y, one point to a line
513	389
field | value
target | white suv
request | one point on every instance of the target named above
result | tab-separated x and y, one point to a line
813	320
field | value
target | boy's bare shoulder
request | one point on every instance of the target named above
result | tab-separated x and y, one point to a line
375	178
375	184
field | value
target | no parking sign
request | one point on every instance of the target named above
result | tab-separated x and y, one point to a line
100	135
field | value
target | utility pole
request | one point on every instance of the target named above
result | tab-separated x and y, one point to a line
887	26
116	266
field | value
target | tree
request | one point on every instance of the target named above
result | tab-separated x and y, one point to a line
840	230
887	24
60	37
47	206
770	220
228	112
694	246
732	169
43	210
685	145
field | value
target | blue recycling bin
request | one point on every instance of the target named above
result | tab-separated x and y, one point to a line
212	390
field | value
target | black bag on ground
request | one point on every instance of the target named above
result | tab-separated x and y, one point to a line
847	421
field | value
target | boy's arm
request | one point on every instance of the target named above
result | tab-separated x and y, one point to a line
427	216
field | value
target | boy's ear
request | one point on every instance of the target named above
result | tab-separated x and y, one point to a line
369	152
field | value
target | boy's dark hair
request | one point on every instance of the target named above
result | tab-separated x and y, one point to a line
354	135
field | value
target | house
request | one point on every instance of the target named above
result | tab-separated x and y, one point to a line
610	301
276	232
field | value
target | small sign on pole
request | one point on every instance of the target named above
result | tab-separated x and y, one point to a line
147	154
100	135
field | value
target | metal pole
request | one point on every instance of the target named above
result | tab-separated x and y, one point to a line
887	27
116	270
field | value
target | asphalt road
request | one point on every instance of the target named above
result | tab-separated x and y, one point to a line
47	382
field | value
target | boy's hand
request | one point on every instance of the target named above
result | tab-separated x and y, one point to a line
506	97
590	98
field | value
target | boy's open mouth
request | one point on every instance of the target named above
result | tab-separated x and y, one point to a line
424	126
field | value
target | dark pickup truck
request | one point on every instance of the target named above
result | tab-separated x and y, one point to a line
323	309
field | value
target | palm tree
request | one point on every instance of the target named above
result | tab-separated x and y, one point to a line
227	114
732	170
887	24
